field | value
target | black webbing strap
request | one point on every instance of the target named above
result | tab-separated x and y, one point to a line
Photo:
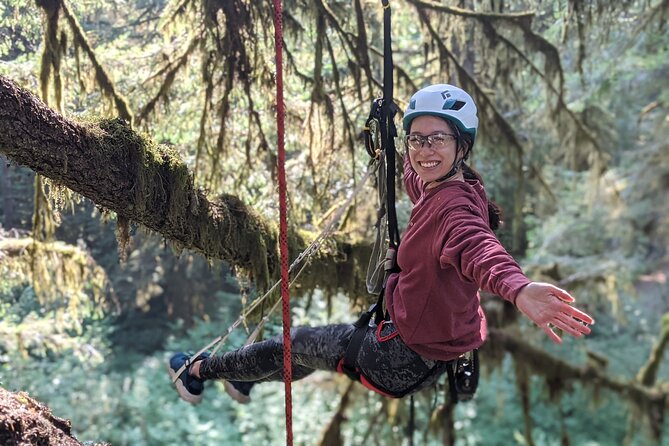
361	325
411	389
383	110
387	125
453	394
411	426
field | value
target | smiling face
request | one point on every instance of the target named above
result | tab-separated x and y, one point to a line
430	163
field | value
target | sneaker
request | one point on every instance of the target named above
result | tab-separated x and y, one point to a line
239	390
188	387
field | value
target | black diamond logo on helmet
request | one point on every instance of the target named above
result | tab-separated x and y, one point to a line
445	94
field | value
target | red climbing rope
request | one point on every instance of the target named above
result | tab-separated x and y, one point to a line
283	225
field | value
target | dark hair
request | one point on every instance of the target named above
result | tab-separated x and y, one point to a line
465	141
494	211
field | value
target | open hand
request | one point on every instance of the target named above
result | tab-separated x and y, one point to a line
548	307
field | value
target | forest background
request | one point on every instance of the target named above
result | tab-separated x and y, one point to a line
96	292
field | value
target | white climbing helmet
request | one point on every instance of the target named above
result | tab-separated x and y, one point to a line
446	101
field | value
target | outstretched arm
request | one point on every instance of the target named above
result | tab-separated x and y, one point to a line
470	246
549	307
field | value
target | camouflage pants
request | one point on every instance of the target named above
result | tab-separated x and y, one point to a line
384	359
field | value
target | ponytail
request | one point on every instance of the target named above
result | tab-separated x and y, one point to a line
465	143
494	211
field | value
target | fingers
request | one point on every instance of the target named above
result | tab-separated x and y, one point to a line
574	313
561	294
551	334
572	326
579	315
550	308
566	319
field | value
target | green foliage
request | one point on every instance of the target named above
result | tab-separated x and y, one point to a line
592	214
20	29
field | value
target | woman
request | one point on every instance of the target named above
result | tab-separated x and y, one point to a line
448	253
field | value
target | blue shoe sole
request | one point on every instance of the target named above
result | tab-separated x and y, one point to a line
236	394
184	394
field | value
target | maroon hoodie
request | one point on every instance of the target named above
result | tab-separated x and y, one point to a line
448	252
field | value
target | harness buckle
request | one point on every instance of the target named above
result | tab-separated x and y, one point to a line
390	261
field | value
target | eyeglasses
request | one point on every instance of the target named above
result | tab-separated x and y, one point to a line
438	141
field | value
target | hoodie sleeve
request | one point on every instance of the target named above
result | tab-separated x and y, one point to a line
470	246
412	183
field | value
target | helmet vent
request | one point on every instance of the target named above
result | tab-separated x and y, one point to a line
453	105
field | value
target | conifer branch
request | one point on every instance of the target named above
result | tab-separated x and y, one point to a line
170	71
558	92
520	18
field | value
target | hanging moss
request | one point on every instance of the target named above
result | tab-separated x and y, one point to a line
123	237
102	78
57	272
169	72
647	403
52	52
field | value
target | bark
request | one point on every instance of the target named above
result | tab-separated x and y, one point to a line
24	421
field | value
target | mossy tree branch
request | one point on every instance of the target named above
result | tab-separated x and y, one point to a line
117	169
121	171
521	18
561	105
